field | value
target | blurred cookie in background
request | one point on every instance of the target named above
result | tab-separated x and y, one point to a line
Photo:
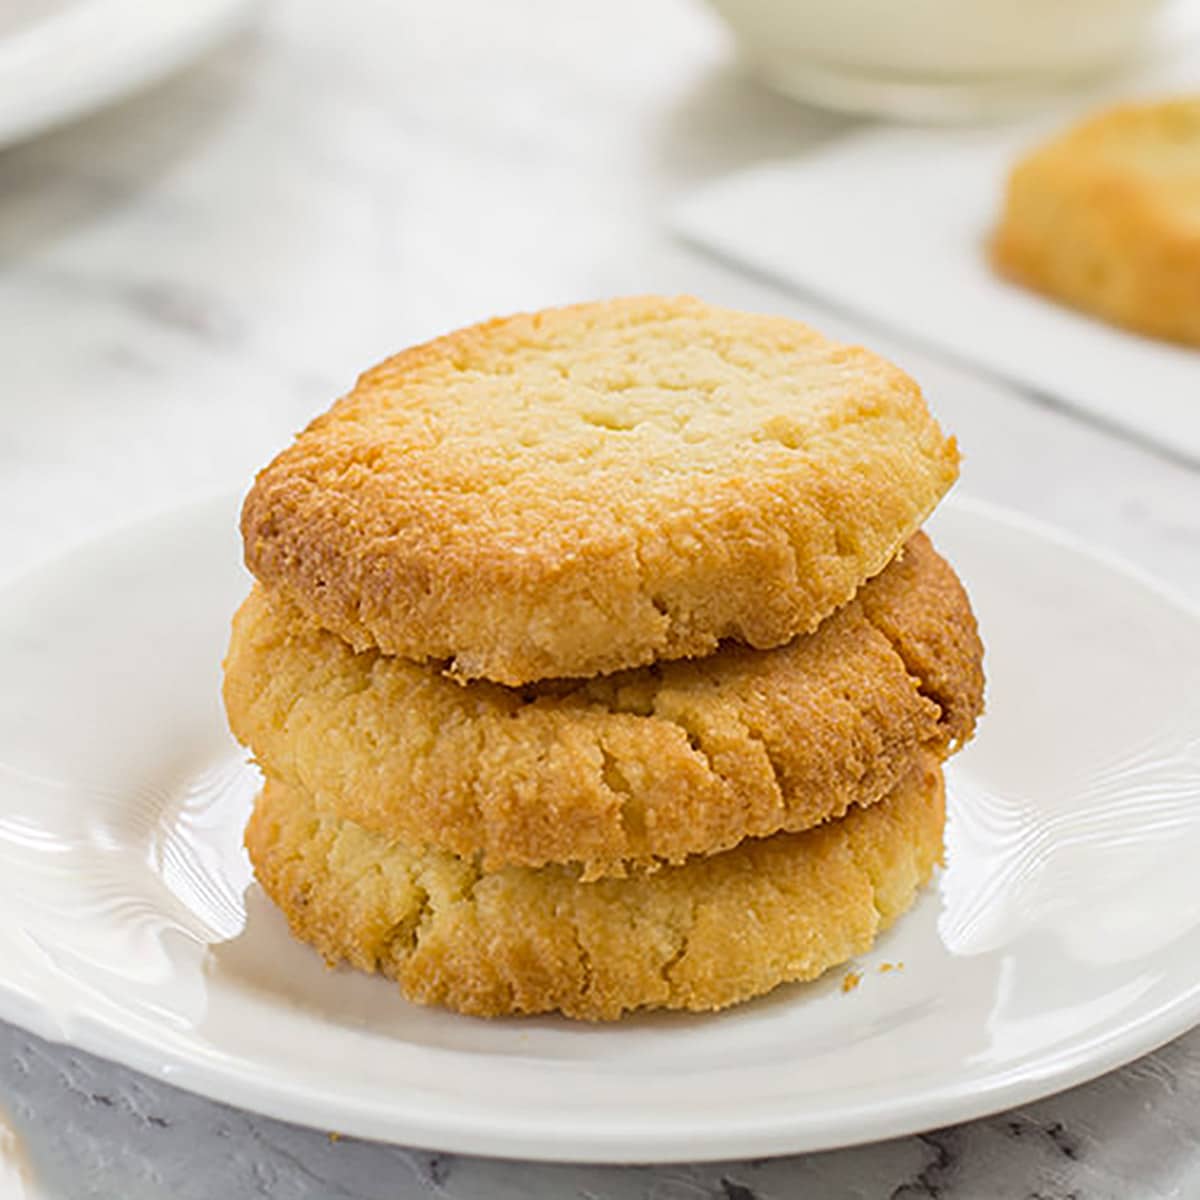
1106	218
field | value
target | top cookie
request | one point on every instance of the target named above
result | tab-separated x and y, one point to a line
1105	218
585	489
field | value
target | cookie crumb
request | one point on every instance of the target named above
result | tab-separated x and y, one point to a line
884	968
851	980
335	1137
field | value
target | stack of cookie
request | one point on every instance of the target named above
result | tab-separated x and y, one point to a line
597	661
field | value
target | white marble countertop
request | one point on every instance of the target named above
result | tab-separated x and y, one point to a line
187	278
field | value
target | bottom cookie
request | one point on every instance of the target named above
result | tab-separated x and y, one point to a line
701	936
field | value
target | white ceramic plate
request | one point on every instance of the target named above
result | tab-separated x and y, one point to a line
62	58
1062	939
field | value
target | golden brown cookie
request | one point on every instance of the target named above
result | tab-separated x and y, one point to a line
585	489
699	936
1105	218
642	767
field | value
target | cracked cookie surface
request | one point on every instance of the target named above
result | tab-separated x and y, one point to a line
703	935
634	769
587	489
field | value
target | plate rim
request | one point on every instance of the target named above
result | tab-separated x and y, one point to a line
231	1079
158	40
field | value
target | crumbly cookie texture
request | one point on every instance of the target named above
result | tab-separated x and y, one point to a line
636	769
700	936
1107	218
586	489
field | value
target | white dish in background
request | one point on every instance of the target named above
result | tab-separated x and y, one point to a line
936	59
62	58
1061	941
892	225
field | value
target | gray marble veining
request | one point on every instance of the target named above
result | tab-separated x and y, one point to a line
185	279
97	1130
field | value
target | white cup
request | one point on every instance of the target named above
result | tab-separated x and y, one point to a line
935	59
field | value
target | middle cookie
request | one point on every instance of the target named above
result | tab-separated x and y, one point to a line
635	769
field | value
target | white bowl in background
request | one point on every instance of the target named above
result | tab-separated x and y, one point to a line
935	59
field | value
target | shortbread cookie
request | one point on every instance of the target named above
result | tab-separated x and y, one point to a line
587	489
699	936
631	769
1107	218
